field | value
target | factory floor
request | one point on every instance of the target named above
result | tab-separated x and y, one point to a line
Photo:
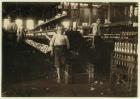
28	73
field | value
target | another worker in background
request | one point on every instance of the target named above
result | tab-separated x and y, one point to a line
96	31
11	31
20	34
97	47
59	45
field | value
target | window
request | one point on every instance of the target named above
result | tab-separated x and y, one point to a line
66	24
40	22
30	24
19	23
5	23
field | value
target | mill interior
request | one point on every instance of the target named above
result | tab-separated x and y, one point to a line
105	67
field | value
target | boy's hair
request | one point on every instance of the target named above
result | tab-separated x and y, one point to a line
60	26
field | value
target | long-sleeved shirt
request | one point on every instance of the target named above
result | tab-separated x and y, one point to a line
59	39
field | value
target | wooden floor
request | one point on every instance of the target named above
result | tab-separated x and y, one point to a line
29	73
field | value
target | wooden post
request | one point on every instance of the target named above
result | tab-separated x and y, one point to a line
109	12
90	14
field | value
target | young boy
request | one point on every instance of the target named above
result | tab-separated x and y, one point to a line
59	45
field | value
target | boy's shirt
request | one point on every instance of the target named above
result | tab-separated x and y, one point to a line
59	39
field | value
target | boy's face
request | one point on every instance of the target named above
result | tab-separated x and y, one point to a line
60	30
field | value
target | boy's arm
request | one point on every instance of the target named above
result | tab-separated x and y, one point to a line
52	42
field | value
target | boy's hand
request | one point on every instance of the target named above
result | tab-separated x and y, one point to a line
51	50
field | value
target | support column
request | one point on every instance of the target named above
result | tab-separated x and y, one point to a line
90	14
109	13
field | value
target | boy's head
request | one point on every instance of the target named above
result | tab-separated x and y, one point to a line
60	29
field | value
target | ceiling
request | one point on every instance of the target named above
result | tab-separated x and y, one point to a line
39	9
26	9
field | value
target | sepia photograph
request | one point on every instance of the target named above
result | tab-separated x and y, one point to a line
69	49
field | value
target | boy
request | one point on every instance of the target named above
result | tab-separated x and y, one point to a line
59	44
